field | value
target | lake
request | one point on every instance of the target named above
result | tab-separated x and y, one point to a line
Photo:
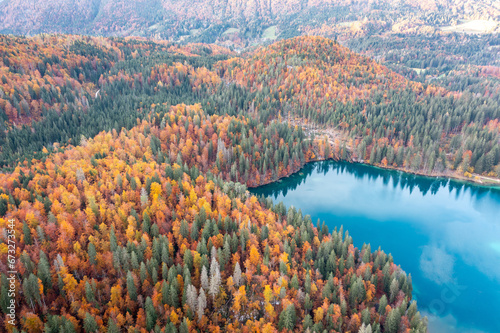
445	233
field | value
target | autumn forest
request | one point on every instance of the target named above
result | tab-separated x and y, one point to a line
125	164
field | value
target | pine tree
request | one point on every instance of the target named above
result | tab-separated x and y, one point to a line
150	314
215	281
164	254
40	233
132	290
183	328
365	328
288	318
382	305
174	295
188	259
89	292
112	240
391	324
394	289
184	229
191	298
27	233
92	254
295	282
89	324
146	222
112	327
165	293
412	310
31	290
44	272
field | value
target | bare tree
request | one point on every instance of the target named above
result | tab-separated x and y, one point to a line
144	196
215	280
192	298
204	278
202	304
80	175
237	274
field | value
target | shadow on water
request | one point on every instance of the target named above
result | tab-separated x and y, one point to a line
402	180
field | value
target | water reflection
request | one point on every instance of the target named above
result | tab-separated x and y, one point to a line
446	233
400	180
437	264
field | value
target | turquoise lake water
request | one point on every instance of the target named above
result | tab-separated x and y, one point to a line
445	233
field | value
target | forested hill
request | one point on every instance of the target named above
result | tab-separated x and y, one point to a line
359	109
207	20
146	230
60	72
370	113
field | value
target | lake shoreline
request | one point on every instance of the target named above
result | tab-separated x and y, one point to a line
488	183
462	179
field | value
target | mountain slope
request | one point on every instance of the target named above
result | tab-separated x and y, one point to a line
361	110
368	111
50	72
172	19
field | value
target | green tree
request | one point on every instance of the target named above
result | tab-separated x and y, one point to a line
112	327
92	254
131	288
391	324
382	305
151	314
27	233
89	324
288	318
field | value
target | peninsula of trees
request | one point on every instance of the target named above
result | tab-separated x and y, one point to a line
147	230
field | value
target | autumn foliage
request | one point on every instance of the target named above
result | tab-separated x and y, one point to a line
146	230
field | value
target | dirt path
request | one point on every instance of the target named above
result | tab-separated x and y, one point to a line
334	135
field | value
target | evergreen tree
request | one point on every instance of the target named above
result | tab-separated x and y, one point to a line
89	324
204	278
151	314
27	233
392	320
112	327
92	254
131	288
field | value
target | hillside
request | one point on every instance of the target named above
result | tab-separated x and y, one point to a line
55	89
360	109
368	112
145	230
207	20
441	42
48	72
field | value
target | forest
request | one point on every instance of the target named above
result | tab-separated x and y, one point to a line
209	21
150	229
359	109
125	167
